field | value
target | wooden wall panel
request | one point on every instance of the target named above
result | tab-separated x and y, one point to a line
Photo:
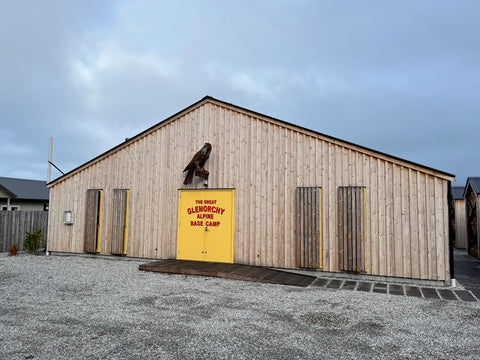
397	237
373	255
413	222
441	227
118	221
381	219
423	229
476	240
389	219
91	216
472	210
265	161
460	225
308	227
405	219
351	228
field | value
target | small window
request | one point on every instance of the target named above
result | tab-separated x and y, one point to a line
15	208
4	208
68	217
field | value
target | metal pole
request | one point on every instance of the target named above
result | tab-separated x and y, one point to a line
49	170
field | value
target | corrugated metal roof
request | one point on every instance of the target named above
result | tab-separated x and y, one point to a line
474	183
457	192
25	189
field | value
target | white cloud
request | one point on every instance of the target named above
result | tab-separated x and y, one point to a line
92	73
251	84
112	60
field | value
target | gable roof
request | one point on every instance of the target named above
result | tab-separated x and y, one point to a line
457	192
474	183
24	189
209	99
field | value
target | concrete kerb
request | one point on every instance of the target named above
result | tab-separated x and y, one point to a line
397	289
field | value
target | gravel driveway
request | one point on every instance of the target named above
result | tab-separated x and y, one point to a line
75	307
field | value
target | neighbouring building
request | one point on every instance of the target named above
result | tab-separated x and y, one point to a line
460	224
472	208
23	194
278	195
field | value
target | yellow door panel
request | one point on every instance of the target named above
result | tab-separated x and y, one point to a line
190	242
205	225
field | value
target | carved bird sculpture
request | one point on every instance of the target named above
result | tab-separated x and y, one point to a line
195	166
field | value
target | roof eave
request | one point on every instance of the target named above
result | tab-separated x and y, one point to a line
8	192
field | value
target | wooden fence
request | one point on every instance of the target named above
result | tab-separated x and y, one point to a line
14	225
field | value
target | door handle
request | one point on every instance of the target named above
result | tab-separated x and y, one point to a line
206	228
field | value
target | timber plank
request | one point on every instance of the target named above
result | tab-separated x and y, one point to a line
229	271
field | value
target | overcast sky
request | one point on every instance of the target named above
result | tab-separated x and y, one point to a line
401	77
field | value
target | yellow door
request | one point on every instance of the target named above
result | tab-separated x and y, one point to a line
205	225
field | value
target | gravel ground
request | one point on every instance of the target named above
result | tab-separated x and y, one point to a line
74	307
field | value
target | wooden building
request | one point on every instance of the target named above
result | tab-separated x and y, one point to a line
472	208
460	223
279	195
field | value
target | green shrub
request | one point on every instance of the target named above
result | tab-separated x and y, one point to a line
32	241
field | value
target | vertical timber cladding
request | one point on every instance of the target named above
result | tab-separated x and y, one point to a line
308	225
351	229
93	217
472	227
205	225
460	225
119	221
